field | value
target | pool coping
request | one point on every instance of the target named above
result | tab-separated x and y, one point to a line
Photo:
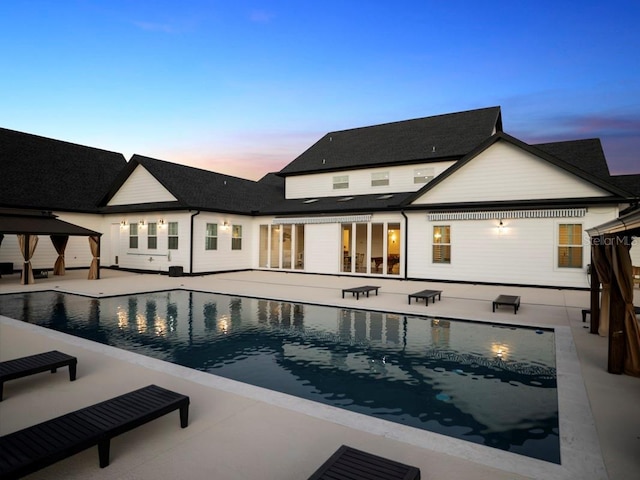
580	451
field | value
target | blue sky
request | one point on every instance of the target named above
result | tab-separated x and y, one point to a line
243	88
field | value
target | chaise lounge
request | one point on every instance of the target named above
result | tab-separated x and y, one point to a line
360	290
426	294
29	450
348	463
41	362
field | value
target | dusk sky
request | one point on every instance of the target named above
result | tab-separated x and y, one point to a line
243	88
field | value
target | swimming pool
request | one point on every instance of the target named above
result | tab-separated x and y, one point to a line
489	384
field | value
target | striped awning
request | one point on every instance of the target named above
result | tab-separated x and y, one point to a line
322	219
505	214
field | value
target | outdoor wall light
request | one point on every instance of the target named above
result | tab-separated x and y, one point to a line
141	223
123	223
225	225
161	222
500	227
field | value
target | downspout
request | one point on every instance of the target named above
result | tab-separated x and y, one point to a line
406	243
191	250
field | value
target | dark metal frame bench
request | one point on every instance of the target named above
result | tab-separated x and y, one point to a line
358	290
426	294
29	450
509	300
350	464
40	362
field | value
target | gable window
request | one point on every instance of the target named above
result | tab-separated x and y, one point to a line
173	235
211	237
340	181
236	237
379	179
152	236
423	175
442	244
570	245
133	235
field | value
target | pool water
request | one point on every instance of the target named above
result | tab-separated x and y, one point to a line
488	384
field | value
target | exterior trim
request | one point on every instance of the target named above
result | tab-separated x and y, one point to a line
562	213
317	220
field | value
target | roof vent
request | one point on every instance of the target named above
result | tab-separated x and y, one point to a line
433	150
324	161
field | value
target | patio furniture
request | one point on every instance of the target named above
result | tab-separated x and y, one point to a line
358	290
509	300
29	450
41	362
348	463
426	294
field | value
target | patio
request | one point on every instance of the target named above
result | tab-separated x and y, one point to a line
288	438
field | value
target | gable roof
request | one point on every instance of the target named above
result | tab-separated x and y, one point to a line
452	135
587	155
47	174
605	184
196	188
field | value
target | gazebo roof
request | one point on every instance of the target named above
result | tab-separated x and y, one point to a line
39	223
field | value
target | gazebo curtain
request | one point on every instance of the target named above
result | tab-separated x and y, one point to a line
623	276
60	244
94	269
28	245
601	257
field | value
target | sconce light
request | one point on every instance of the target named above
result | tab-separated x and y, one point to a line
161	222
225	225
500	227
123	223
141	223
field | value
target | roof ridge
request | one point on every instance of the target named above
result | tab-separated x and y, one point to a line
42	137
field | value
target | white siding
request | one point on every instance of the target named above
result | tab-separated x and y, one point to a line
524	253
505	172
224	258
141	187
321	184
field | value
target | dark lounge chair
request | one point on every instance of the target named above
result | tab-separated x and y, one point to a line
29	450
348	463
41	362
358	290
426	294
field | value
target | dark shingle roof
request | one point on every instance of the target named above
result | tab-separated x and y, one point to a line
48	174
630	183
409	141
200	189
587	155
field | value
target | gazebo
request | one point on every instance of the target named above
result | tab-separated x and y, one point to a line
27	225
612	311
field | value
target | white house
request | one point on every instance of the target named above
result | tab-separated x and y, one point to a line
450	197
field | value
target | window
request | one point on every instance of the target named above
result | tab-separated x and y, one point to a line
236	237
211	237
133	235
570	245
423	175
442	244
340	181
379	179
152	236
173	235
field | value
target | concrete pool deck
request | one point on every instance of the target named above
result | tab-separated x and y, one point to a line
238	431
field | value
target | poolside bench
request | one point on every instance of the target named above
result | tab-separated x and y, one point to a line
426	294
509	300
41	362
29	450
358	290
348	463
